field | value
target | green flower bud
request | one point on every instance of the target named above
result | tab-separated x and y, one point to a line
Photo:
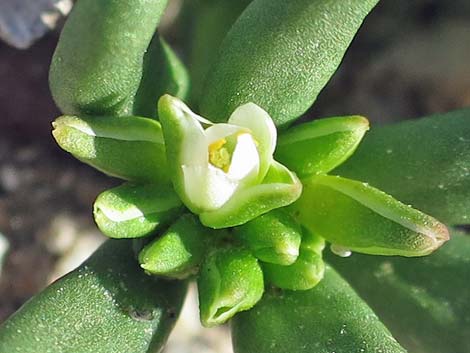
353	215
178	252
230	281
225	172
133	210
320	146
273	237
130	148
306	272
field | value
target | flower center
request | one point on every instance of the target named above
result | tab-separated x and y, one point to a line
219	156
221	151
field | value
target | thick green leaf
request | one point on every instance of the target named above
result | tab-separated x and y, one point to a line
321	145
130	148
135	210
328	318
97	65
163	73
273	237
106	305
425	301
210	22
361	218
423	162
280	54
230	281
179	251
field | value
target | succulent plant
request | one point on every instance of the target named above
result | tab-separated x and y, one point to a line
233	194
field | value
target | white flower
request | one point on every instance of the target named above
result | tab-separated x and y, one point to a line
212	164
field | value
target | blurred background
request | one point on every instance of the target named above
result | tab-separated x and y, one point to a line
409	59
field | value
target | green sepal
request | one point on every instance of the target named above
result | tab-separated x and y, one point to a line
328	318
319	146
361	218
279	55
135	210
182	134
97	65
273	237
163	73
106	305
130	148
424	302
306	272
230	281
179	251
279	188
423	162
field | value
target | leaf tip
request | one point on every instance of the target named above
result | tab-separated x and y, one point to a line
442	235
362	120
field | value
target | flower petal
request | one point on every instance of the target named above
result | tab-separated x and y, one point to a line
219	131
208	188
245	159
263	129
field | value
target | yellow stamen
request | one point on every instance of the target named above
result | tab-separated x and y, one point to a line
219	156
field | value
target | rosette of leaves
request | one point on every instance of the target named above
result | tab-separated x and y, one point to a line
237	196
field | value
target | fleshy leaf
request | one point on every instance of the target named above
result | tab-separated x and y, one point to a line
97	65
106	305
178	252
306	272
361	218
135	210
279	188
424	302
279	55
321	145
230	281
163	73
273	237
328	318
130	148
423	162
207	23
